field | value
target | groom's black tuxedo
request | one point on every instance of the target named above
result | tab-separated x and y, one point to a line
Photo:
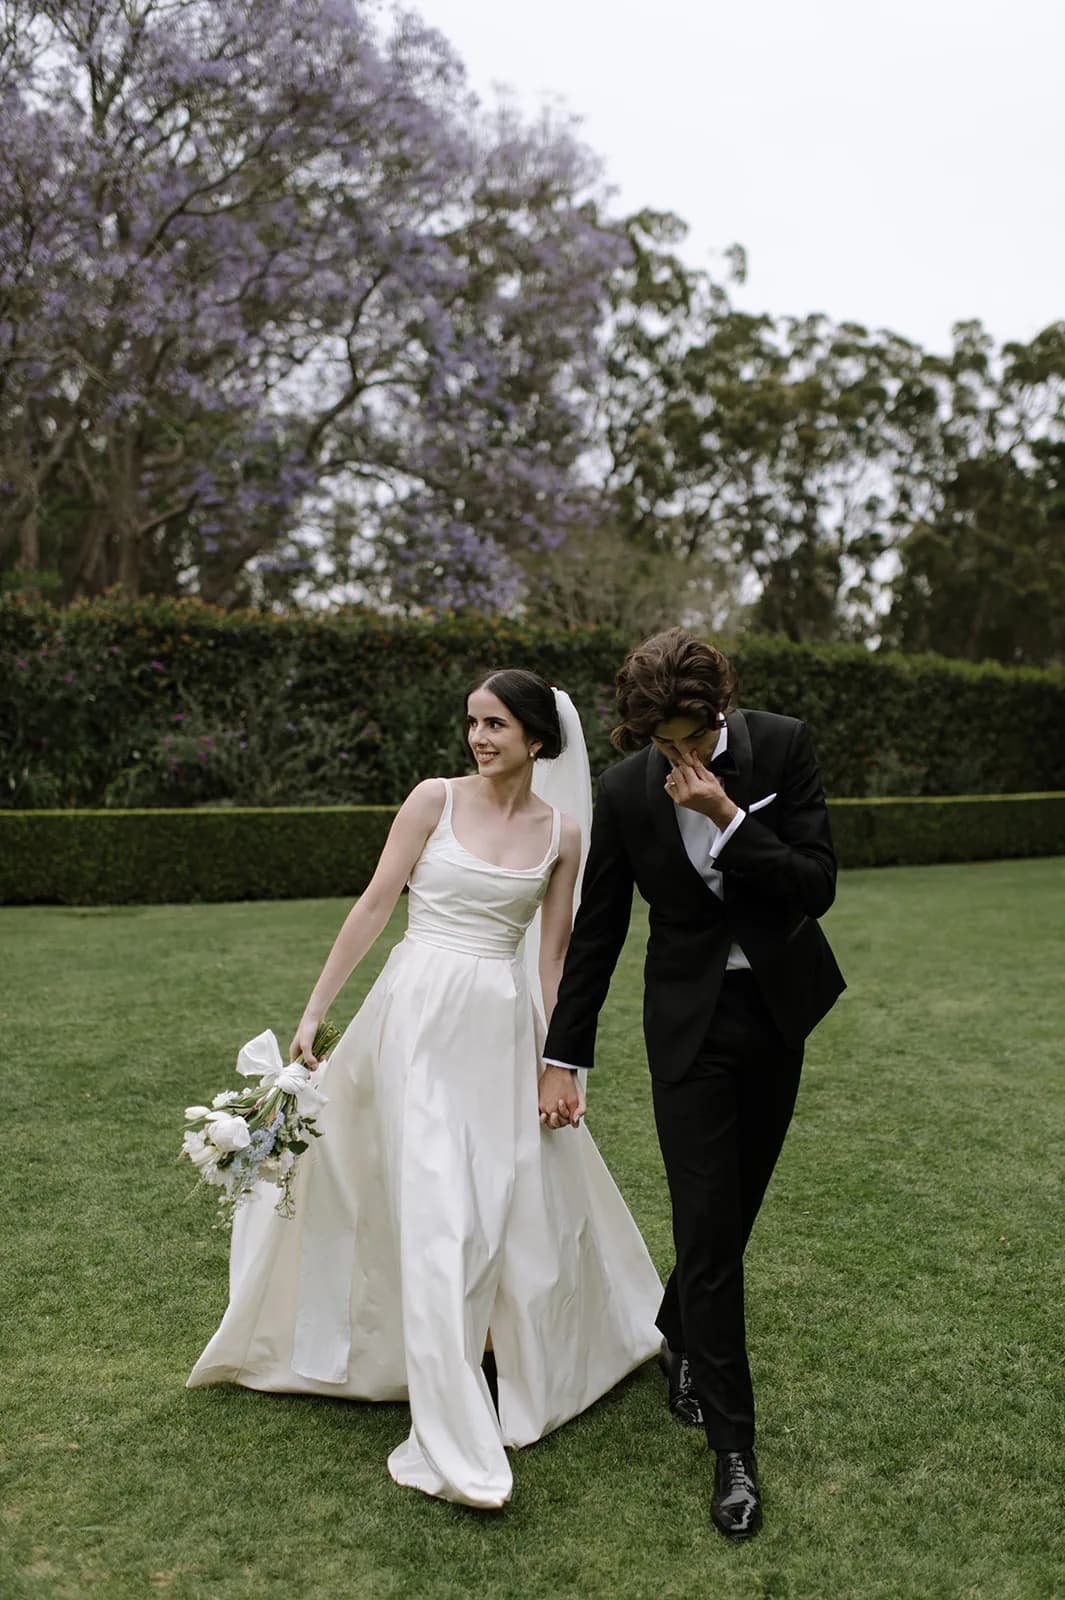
779	876
724	1046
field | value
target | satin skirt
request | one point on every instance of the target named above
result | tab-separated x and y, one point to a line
435	1211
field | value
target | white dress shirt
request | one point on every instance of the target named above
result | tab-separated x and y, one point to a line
704	840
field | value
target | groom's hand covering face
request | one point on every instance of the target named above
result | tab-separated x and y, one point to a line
687	744
692	785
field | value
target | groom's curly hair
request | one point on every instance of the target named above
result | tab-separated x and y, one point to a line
673	674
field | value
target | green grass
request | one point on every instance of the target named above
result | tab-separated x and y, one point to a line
903	1286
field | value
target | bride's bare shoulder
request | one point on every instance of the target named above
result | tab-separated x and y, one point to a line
425	802
569	843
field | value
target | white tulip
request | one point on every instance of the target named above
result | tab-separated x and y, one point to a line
200	1153
228	1133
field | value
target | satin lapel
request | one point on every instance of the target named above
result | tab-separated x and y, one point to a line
738	785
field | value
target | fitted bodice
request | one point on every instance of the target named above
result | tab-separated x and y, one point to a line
460	902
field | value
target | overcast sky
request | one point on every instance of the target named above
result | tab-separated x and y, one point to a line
896	162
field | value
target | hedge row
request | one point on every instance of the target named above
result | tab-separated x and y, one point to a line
156	857
130	857
173	703
921	832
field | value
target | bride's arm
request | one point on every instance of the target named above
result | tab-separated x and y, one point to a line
414	822
556	924
556	914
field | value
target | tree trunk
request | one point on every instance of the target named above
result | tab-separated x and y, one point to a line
129	558
29	540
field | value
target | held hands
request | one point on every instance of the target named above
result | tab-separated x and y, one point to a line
562	1102
694	786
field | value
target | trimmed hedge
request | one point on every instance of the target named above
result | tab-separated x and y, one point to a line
174	703
155	857
921	832
132	857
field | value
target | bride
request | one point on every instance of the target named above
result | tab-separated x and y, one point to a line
439	1216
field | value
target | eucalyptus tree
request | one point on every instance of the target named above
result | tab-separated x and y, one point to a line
785	454
982	572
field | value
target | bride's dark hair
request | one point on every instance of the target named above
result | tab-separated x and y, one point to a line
532	701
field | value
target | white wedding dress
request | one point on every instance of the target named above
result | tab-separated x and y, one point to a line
436	1209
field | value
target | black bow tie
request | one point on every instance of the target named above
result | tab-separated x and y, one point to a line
724	765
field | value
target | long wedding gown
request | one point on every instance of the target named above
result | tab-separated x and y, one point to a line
436	1209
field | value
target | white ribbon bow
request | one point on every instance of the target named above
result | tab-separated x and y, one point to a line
261	1057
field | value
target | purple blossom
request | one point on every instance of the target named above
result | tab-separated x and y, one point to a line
157	666
294	241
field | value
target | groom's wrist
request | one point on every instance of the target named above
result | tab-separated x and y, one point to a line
725	833
722	813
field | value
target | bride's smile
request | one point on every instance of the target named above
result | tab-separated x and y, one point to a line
499	743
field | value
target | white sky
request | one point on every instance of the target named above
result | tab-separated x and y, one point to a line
896	162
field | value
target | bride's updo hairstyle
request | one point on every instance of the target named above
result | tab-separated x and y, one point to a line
532	701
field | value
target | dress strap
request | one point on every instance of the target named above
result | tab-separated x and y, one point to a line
445	815
556	830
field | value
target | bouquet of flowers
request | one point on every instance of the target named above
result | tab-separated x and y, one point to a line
255	1134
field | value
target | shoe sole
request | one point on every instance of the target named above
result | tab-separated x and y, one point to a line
737	1538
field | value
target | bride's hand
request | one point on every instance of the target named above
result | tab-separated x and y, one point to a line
302	1046
562	1103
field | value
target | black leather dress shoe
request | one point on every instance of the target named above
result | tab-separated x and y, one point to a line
736	1508
683	1400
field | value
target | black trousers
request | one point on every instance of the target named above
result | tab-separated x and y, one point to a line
721	1128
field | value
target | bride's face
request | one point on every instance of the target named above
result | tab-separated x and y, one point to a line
495	735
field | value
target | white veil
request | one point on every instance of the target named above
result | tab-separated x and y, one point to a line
566	784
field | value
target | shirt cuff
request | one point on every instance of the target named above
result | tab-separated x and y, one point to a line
725	835
549	1062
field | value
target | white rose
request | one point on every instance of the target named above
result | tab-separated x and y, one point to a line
226	1097
228	1133
192	1113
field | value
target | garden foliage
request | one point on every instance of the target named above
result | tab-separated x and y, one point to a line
237	853
174	703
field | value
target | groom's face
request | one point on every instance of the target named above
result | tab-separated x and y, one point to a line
681	738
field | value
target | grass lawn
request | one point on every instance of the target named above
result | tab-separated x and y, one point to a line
904	1299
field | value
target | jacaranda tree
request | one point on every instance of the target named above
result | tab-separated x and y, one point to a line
269	276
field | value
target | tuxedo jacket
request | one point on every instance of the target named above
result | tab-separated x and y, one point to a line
778	874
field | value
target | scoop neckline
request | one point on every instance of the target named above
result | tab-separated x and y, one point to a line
495	866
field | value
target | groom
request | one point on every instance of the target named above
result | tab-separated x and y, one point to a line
719	820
